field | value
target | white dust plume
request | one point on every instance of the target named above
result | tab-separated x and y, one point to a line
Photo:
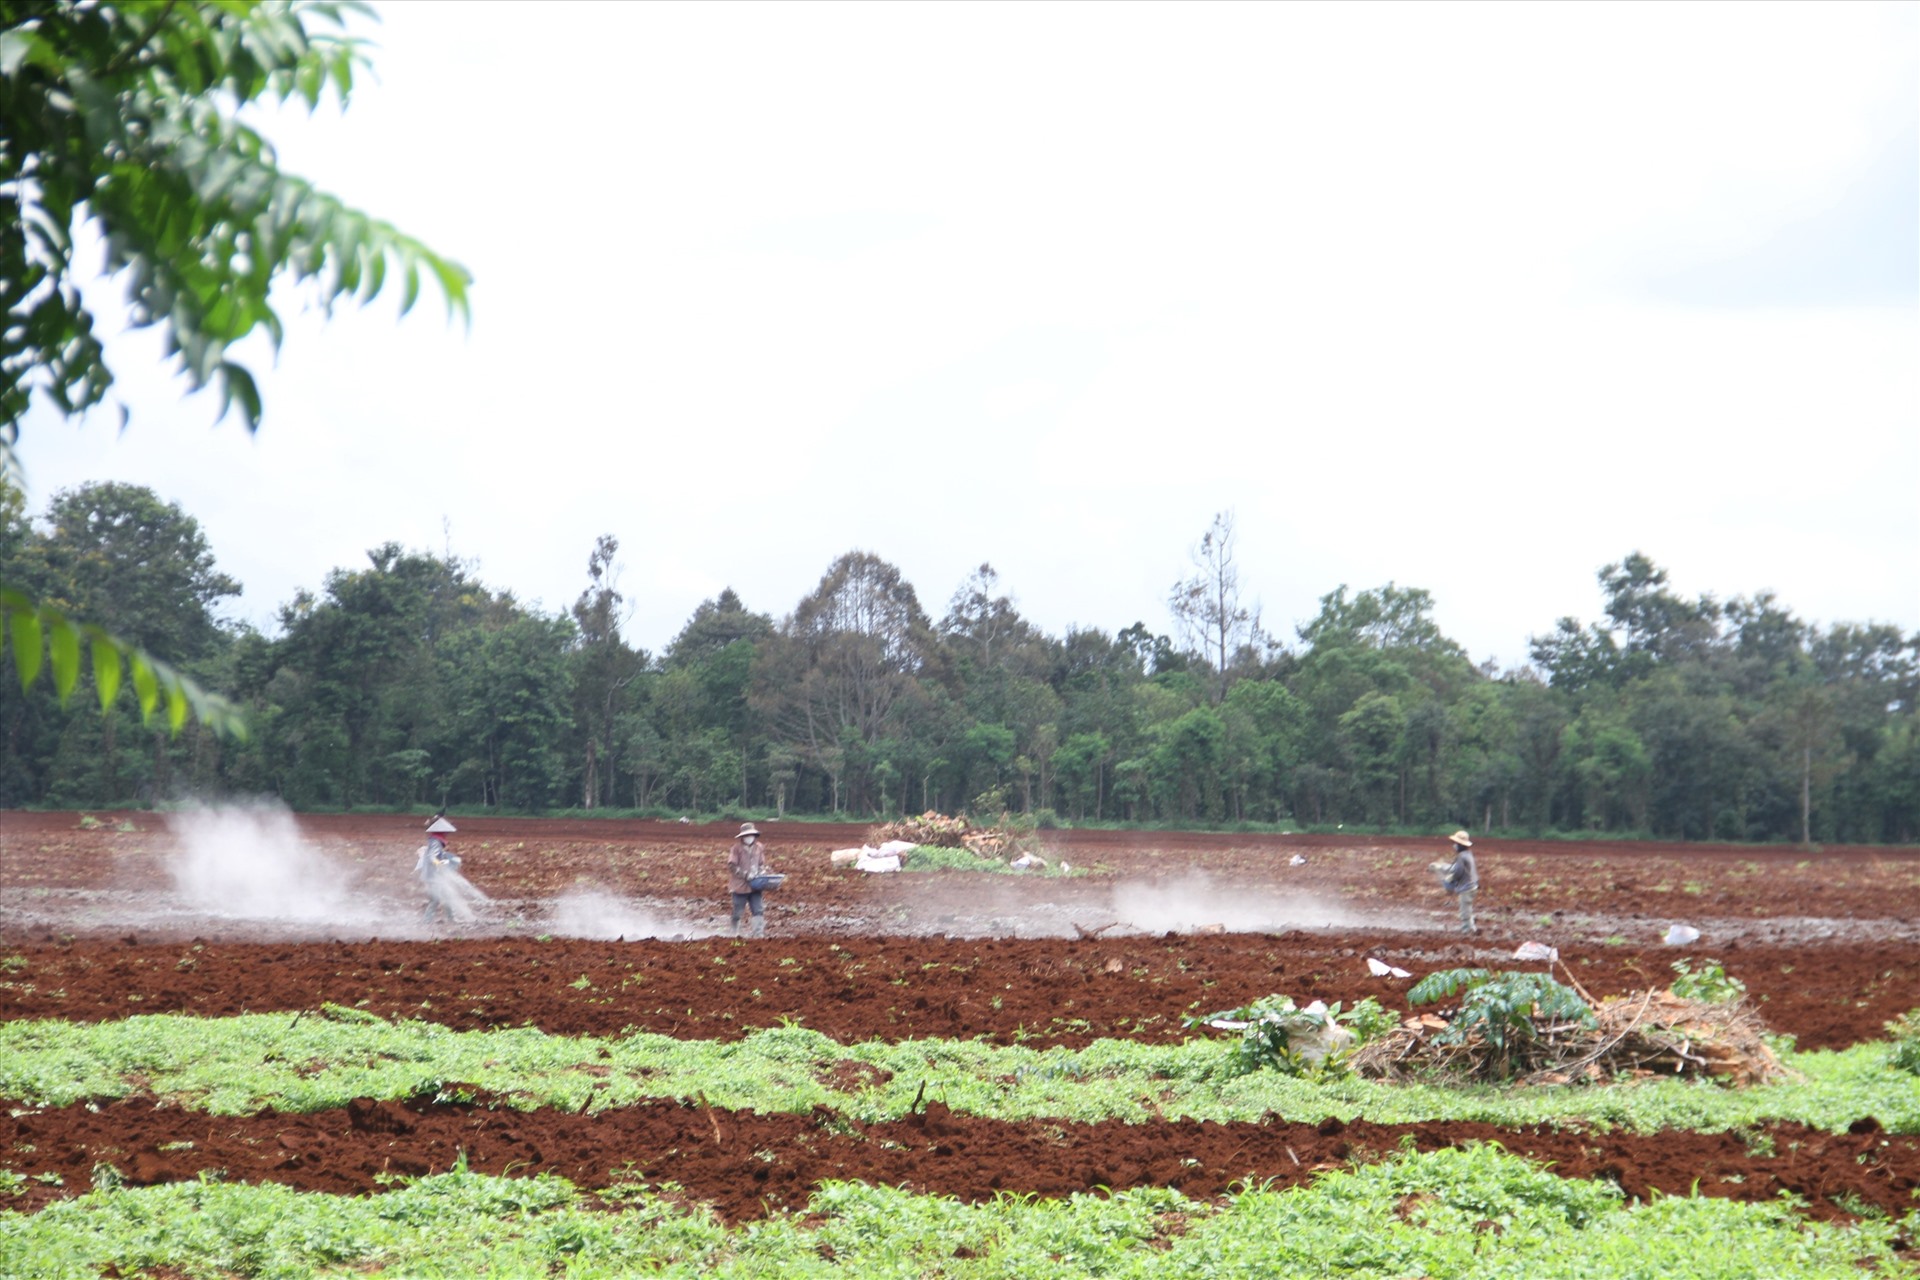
1196	902
596	914
251	863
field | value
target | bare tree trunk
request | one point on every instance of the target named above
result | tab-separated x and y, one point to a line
590	786
107	758
1806	795
162	767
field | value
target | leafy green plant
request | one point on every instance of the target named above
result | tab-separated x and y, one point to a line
1280	1036
220	1066
1367	1019
1710	985
932	857
1474	1210
1502	1008
1905	1031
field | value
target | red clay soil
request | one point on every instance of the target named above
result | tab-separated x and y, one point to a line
95	923
746	1164
1037	991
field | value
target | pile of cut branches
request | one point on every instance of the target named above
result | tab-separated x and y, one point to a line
943	832
1529	1028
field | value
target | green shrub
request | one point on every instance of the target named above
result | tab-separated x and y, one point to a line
1905	1031
1500	1007
1367	1019
1711	985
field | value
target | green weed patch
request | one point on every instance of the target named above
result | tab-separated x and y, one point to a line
244	1064
1460	1212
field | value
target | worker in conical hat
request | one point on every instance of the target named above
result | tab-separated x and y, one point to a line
746	860
1460	877
436	865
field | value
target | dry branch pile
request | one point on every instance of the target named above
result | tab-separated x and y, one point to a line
1635	1036
943	832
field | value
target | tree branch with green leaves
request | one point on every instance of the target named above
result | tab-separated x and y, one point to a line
125	118
42	637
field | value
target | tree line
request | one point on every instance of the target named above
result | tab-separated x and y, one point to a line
407	681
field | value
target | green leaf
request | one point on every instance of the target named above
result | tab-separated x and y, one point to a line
106	667
237	384
63	639
176	707
25	628
146	685
411	293
1443	983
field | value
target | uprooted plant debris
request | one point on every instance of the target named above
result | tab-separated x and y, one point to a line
1530	1029
942	831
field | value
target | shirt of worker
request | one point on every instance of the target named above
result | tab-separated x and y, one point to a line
431	858
1462	876
745	861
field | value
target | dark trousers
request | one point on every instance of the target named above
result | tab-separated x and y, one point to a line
754	902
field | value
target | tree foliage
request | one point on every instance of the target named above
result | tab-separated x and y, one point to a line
121	129
123	122
139	572
407	680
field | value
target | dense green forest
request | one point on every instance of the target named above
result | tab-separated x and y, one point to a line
406	681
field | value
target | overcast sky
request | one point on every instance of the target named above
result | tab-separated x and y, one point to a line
1475	298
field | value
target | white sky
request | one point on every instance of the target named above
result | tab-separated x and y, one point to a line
1475	298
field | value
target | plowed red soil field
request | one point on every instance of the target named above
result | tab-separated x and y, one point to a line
117	914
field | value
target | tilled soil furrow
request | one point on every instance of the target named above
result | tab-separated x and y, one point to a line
747	1164
1042	992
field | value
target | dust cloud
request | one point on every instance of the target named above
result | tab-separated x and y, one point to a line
250	862
598	915
1196	902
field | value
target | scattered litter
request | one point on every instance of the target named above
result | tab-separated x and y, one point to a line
1537	951
684	820
1381	969
1680	935
1027	862
1312	1036
1296	861
887	857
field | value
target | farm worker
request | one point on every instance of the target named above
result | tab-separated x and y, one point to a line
747	859
435	867
1460	878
